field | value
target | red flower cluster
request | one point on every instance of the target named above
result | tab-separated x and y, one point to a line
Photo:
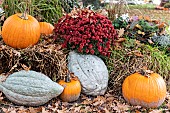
86	32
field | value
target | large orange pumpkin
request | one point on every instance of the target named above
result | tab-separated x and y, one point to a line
72	89
21	31
147	91
46	28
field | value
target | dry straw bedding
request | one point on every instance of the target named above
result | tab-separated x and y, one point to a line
46	57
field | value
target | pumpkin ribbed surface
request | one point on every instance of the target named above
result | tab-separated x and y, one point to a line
144	91
30	88
71	91
91	71
46	28
20	33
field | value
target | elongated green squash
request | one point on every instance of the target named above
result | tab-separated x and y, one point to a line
30	88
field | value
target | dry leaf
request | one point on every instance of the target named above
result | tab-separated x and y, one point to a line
150	41
45	111
121	107
1	98
121	32
86	102
138	111
121	40
156	111
34	110
77	109
106	111
138	26
138	54
141	33
5	110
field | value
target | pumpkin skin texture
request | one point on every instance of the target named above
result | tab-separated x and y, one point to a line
71	91
30	88
46	28
145	91
20	33
91	71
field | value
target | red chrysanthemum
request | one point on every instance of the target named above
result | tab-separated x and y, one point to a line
85	31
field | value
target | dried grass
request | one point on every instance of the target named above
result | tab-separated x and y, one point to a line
46	57
131	58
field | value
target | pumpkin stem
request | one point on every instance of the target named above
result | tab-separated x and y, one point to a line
24	15
67	78
146	72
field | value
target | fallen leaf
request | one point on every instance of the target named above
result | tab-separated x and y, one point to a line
138	26
156	111
121	40
34	110
138	54
121	107
121	32
86	102
106	111
150	41
141	33
45	111
5	110
77	109
138	111
1	98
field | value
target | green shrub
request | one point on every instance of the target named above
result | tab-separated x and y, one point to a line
69	5
43	10
167	5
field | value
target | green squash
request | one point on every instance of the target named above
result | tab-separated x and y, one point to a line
30	88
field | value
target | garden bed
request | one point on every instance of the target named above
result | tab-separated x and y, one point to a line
124	61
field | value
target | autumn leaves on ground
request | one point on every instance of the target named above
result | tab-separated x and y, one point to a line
120	51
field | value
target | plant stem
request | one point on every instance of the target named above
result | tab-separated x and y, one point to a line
67	78
24	15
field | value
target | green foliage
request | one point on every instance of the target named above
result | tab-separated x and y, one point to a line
148	27
119	23
95	3
143	6
167	5
163	40
68	5
126	61
43	10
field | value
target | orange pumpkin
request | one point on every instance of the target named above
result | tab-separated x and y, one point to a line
72	89
147	91
21	31
46	28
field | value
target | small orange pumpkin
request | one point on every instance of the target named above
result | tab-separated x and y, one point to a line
72	88
147	91
46	28
21	31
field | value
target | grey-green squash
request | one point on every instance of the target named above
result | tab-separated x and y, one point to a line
30	88
91	71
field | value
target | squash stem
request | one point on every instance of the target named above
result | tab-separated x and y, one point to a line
67	78
144	73
24	15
